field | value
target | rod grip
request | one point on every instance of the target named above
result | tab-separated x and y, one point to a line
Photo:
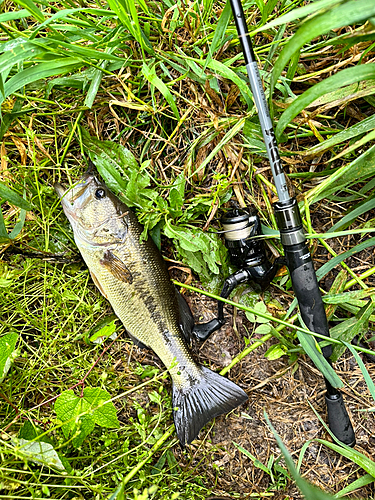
306	288
339	421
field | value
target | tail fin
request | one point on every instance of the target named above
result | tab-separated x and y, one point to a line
210	396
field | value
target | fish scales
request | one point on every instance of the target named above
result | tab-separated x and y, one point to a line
148	306
132	275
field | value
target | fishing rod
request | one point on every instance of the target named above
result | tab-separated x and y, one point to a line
240	227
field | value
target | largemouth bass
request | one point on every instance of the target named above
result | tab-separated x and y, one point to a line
132	275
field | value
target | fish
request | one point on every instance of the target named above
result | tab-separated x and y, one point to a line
131	274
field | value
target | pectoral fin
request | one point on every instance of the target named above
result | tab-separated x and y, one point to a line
116	267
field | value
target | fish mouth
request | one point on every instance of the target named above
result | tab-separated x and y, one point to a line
75	197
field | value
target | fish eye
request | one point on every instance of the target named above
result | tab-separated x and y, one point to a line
100	193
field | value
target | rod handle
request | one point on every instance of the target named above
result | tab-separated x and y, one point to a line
338	420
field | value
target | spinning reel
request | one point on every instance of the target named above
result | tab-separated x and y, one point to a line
241	230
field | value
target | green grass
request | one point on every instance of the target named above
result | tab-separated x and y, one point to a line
164	85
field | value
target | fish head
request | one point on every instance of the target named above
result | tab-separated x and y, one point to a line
96	215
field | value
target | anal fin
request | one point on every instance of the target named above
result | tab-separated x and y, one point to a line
136	342
186	319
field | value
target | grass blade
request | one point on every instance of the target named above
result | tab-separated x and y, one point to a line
32	8
328	266
309	345
20	51
366	375
7	194
358	483
353	455
18	227
63	14
353	214
13	16
39	72
219	32
358	170
152	77
359	128
4	237
255	461
308	490
304	11
341	79
361	142
348	13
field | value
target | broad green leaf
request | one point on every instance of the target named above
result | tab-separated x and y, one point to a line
104	412
177	196
275	352
259	306
7	352
203	252
39	452
107	330
74	411
38	72
80	414
32	432
348	13
152	77
341	79
349	328
7	194
311	348
113	161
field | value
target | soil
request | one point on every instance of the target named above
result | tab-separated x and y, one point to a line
292	395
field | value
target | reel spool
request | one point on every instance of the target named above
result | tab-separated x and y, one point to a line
248	254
